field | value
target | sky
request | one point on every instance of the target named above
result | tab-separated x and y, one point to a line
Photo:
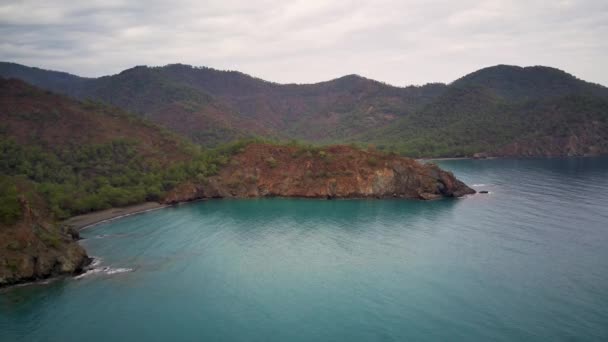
397	42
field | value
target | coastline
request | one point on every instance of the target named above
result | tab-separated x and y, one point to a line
424	160
84	221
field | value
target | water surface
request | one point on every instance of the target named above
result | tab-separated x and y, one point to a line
528	262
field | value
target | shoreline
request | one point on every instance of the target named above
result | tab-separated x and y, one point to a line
88	220
84	221
422	160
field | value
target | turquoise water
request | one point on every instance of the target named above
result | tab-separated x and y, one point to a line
528	262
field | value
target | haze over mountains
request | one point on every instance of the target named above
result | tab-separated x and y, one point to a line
500	110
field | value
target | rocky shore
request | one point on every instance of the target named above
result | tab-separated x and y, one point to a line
263	170
36	247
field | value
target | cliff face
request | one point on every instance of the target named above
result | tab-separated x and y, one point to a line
334	172
34	247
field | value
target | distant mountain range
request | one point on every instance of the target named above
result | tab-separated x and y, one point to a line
497	111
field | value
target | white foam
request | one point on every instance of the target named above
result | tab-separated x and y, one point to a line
96	262
118	270
88	273
95	269
478	185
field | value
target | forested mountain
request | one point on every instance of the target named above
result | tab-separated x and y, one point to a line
500	110
87	156
529	83
212	106
326	111
505	111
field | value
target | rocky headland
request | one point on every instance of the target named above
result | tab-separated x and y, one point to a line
264	170
33	246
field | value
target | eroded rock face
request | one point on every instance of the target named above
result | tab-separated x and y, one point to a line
334	172
37	248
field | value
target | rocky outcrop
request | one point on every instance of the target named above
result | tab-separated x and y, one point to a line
36	248
263	170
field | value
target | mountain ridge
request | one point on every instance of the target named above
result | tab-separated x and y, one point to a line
482	112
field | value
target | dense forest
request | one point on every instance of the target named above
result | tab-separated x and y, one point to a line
469	120
83	157
501	110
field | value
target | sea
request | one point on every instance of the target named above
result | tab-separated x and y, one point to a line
528	261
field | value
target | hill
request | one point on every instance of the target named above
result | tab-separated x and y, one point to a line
267	170
505	111
501	110
85	156
528	83
211	106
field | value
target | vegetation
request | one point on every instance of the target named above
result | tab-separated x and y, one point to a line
99	176
213	107
83	157
10	209
469	120
504	110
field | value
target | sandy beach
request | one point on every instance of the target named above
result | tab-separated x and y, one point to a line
87	220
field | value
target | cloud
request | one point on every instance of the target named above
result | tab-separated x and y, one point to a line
399	42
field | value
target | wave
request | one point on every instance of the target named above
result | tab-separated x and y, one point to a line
94	268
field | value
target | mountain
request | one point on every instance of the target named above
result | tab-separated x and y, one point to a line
60	82
211	106
326	111
84	156
528	83
505	111
501	110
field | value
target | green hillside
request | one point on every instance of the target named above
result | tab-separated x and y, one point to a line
505	111
83	156
501	110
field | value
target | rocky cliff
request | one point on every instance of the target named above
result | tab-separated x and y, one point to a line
34	247
262	170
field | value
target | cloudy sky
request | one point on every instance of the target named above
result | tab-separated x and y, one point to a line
398	42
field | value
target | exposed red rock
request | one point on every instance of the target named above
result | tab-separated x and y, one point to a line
36	247
263	170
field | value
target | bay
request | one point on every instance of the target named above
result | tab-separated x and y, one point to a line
528	261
